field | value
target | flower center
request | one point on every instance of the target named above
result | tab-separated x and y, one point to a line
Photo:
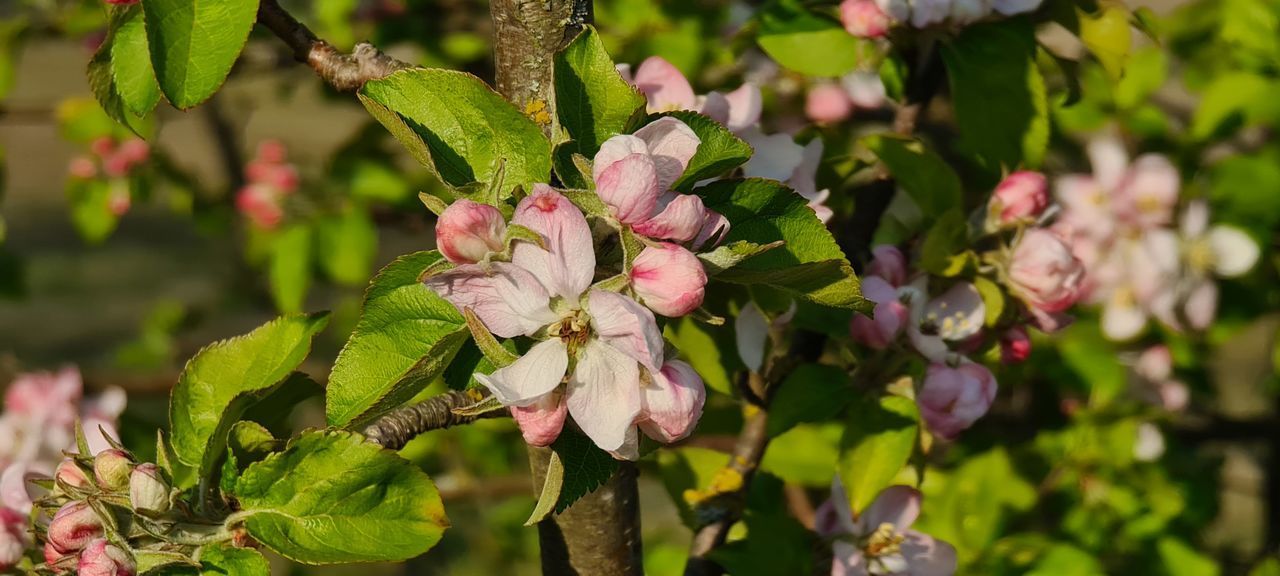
573	329
883	542
1199	255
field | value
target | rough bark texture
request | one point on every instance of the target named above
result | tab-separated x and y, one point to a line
396	428
345	72
600	534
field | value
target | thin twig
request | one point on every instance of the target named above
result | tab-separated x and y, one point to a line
345	72
396	428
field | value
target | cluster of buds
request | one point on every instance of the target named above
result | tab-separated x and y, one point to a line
949	323
269	180
777	156
97	501
874	18
114	160
1120	222
597	354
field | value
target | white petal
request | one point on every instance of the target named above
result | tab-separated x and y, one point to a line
569	262
536	373
745	105
896	505
1234	252
1122	320
508	299
751	331
1202	304
672	144
776	156
604	395
1109	160
1195	219
625	325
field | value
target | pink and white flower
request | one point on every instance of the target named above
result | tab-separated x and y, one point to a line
779	157
880	541
101	558
827	103
1045	273
888	319
864	19
469	231
269	179
953	397
1019	198
598	344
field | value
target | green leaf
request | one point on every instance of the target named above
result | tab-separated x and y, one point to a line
220	560
151	561
1000	99
947	237
552	485
586	467
1180	559
194	43
131	61
812	393
807	454
993	299
1145	75
711	351
593	102
879	437
1242	97
809	264
224	378
727	256
1107	35
90	207
468	129
809	43
405	338
1267	567
968	508
333	497
346	245
1092	358
924	175
289	268
719	152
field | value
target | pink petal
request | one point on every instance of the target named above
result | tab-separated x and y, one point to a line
680	221
14	494
508	299
672	402
567	265
827	103
625	325
531	376
1109	160
630	188
672	144
776	156
1202	304
745	105
927	556
664	85
540	423
604	395
615	149
847	560
714	106
751	332
669	279
896	505
714	229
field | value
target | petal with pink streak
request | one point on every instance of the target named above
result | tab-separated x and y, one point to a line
531	376
625	325
508	299
679	221
604	395
672	144
615	149
630	188
14	494
714	229
664	86
669	279
672	402
569	261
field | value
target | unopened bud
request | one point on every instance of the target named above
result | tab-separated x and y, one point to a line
1020	196
864	18
73	527
69	473
111	469
101	558
148	489
669	279
468	231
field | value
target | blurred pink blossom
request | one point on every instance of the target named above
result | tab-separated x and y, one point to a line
880	541
864	19
954	397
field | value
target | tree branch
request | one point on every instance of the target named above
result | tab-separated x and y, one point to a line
396	428
345	72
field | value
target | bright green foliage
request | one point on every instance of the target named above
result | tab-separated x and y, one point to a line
879	437
814	392
1180	559
194	43
346	244
709	349
593	102
216	559
1000	99
809	264
719	152
333	497
469	130
949	235
289	268
1107	35
806	454
688	469
120	72
923	174
807	42
1240	96
223	379
90	209
405	338
586	467
968	506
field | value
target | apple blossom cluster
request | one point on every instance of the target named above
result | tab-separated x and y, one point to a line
1143	259
777	156
269	180
944	319
38	423
880	540
831	102
874	18
113	160
595	351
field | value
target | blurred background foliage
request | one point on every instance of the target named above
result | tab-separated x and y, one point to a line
1059	480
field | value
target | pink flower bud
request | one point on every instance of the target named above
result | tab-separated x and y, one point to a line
889	317
148	489
1155	364
13	537
669	279
1020	196
261	205
52	556
468	231
83	167
102	146
1015	345
111	469
119	201
115	166
103	559
827	103
69	473
953	398
1044	272
672	402
888	262
540	423
73	527
272	151
135	150
864	19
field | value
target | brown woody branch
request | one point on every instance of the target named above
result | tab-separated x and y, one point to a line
345	72
396	428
